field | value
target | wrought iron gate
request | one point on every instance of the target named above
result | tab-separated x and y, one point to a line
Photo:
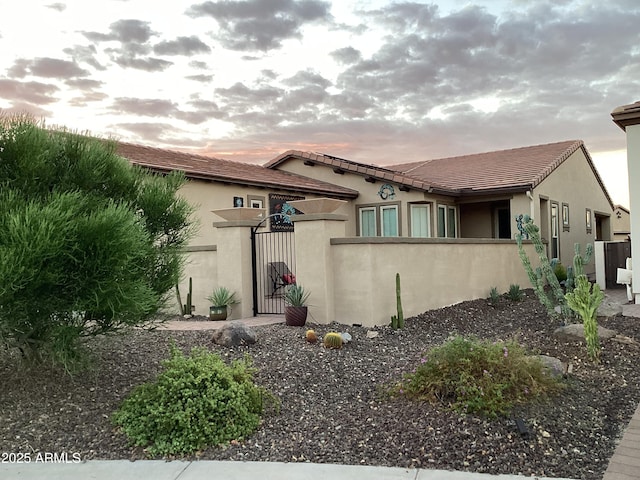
274	264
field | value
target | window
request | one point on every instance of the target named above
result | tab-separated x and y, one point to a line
442	221
447	221
420	220
389	214
555	231
565	217
452	222
255	201
368	222
379	220
588	220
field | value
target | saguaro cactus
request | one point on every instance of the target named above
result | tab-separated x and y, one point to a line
397	320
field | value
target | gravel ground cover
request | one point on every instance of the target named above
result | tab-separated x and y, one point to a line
332	409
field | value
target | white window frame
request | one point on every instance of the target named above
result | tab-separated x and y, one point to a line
395	208
375	219
450	231
414	208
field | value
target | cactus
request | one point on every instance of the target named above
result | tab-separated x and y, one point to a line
333	340
585	300
311	336
545	271
397	321
186	308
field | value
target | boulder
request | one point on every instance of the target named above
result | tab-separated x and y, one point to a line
556	367
234	334
575	332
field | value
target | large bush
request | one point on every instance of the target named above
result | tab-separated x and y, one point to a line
478	376
88	243
196	402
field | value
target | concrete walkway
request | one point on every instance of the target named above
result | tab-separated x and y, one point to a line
624	464
228	470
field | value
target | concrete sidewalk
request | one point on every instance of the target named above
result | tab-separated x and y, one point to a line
228	470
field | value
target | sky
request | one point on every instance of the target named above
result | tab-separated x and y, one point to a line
373	81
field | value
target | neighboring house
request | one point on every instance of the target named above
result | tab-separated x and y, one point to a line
423	219
621	221
473	196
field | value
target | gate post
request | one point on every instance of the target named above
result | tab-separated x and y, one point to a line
234	262
314	263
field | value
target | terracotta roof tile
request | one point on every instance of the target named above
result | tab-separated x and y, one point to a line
210	168
364	169
505	169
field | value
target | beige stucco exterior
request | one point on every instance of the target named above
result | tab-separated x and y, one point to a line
352	279
621	224
572	185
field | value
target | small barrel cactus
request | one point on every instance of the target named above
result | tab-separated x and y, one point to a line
333	340
311	336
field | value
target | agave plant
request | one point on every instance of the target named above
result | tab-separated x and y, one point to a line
222	297
296	296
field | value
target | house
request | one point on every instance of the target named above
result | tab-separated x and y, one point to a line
621	223
627	117
473	196
446	225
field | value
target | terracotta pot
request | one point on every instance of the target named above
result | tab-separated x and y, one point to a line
295	316
218	313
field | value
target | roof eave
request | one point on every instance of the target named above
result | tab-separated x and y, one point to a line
210	177
626	115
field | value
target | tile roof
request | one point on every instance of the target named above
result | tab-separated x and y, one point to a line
210	168
385	174
517	169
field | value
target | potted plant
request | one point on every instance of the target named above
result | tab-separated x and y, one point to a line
221	301
295	310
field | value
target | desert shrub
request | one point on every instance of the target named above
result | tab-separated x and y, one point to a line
89	244
560	272
515	293
478	376
494	296
196	402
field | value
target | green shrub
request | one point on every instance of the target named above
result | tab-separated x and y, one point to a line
494	296
515	293
478	376
89	244
196	402
560	272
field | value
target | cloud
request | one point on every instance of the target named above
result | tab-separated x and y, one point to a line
86	54
145	107
124	31
181	46
61	7
47	68
31	92
346	55
134	38
261	25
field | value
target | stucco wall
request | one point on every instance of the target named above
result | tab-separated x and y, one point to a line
368	194
202	266
434	274
574	183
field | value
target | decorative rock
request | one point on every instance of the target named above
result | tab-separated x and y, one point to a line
234	334
555	366
575	331
625	340
609	309
372	333
346	337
